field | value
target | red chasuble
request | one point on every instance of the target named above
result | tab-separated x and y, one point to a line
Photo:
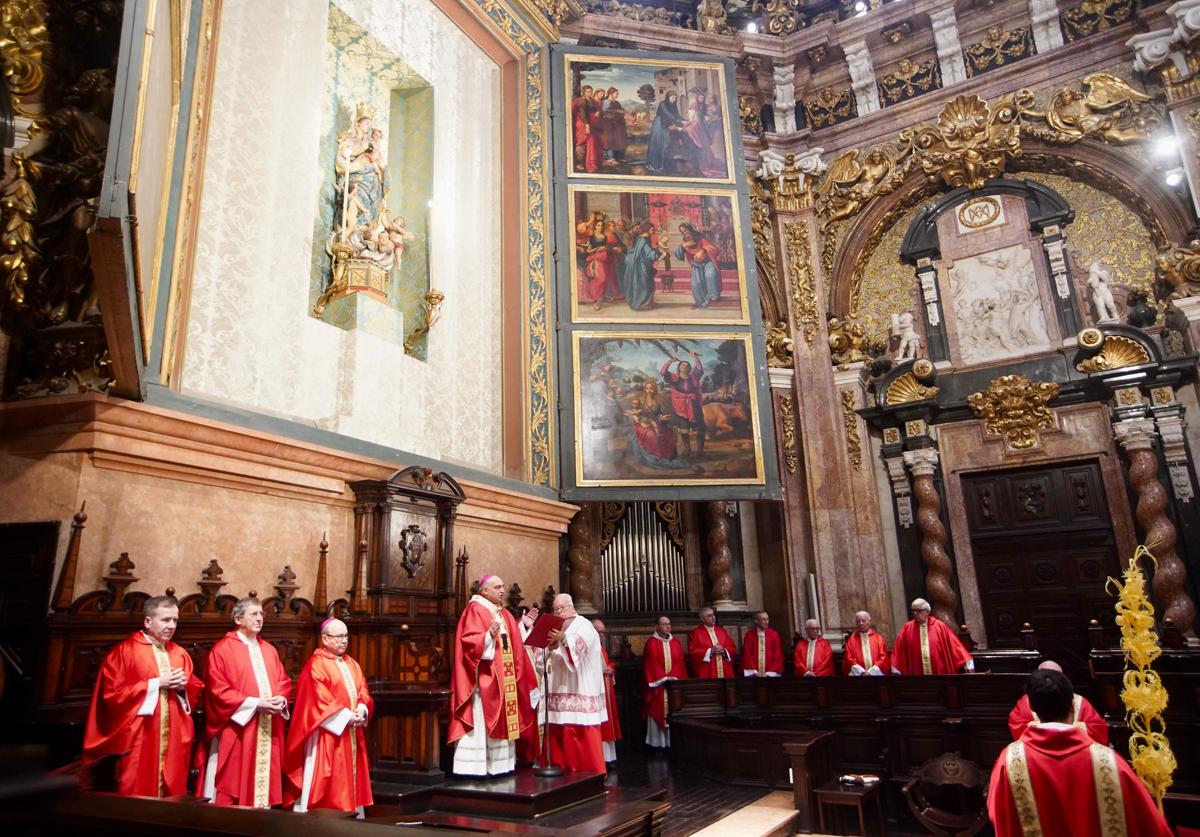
875	654
126	720
247	768
934	651
1057	781
700	641
814	655
327	694
1083	715
506	715
762	658
660	659
610	730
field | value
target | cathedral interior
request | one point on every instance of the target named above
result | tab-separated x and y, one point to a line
804	307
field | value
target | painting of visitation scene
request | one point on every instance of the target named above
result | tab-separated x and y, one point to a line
656	256
676	409
658	119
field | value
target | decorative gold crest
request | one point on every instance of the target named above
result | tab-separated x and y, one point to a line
907	388
979	213
1117	353
970	143
1016	408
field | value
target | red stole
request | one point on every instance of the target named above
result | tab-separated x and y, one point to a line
341	776
700	640
853	653
249	763
1058	781
940	653
153	756
660	659
763	659
1083	715
822	657
470	670
610	730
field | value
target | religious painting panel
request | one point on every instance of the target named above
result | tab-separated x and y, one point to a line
661	119
665	409
647	255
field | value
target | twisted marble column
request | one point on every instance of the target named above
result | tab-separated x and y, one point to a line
1136	437
939	572
720	556
581	555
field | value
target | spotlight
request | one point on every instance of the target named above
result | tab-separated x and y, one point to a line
751	27
1165	146
1174	177
860	6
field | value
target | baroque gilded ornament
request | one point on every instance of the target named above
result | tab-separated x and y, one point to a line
906	389
804	292
1179	270
850	421
1116	351
1016	408
970	143
787	416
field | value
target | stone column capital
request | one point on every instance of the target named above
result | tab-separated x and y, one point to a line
922	461
790	178
1135	434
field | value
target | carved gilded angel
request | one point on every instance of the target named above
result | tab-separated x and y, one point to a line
1109	107
849	184
1179	270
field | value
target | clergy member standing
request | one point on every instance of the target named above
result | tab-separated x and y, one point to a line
762	650
866	650
813	655
610	730
1083	714
245	705
662	660
928	646
575	703
326	763
493	689
142	707
710	648
1056	780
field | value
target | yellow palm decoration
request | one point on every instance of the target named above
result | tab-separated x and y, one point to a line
1143	694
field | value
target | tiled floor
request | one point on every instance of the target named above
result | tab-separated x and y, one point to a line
695	801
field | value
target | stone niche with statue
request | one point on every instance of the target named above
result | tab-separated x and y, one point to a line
994	276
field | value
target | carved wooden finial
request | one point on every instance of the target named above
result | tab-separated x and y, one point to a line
253	594
170	592
210	584
64	592
324	541
286	588
80	516
119	578
320	597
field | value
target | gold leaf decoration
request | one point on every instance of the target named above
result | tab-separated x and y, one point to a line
612	514
787	417
850	421
1016	408
1117	353
906	389
804	294
669	511
970	143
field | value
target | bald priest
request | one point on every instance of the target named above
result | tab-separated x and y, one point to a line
493	689
927	645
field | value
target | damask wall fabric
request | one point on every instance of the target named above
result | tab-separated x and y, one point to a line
250	339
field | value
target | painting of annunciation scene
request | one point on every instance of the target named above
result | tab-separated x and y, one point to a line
370	266
656	119
656	256
675	409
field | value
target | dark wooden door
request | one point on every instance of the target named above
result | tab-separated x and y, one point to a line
1044	549
26	568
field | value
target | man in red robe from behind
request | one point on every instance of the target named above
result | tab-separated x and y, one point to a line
245	706
325	764
142	707
493	690
813	656
610	730
710	648
928	646
662	660
1057	780
1083	714
866	650
762	650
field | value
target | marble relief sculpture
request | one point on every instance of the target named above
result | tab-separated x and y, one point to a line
997	306
1099	280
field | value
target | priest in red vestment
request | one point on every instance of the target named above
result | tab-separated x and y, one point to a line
245	706
575	703
928	646
1057	780
710	648
866	650
325	764
1083	714
610	730
142	707
662	660
813	656
762	650
493	690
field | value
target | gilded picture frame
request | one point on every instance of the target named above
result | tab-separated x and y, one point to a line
645	255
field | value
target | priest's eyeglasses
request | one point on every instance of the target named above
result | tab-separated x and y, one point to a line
337	637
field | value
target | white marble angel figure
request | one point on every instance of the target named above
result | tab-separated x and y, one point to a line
909	342
1099	277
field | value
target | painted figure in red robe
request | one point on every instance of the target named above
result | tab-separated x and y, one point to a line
326	764
141	709
1083	714
927	645
1057	780
245	707
762	649
813	655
